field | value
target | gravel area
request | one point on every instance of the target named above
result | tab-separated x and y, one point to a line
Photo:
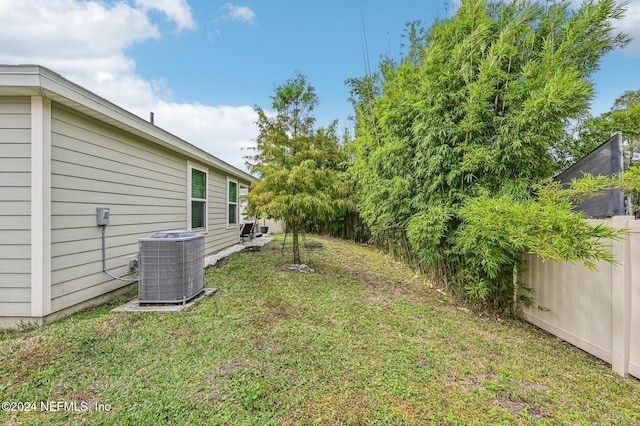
256	242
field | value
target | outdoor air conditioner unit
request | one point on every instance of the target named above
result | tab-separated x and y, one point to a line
171	267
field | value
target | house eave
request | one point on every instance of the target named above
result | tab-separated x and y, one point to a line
35	80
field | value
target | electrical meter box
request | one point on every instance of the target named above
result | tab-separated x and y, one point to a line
102	215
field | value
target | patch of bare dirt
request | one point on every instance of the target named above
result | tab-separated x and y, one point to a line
220	263
314	245
251	249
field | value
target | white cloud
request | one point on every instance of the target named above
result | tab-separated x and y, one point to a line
85	41
175	10
455	5
223	131
82	40
629	24
239	13
60	28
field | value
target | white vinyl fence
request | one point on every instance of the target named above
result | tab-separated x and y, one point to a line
275	226
597	311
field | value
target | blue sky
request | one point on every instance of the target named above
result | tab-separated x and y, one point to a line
237	60
201	65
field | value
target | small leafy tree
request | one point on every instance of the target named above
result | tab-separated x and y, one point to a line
624	117
589	132
299	166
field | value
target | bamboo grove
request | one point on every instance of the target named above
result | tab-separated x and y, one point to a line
454	143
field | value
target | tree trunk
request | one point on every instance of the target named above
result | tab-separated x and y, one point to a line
296	245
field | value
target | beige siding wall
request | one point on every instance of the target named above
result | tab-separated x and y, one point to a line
15	206
145	187
94	165
220	235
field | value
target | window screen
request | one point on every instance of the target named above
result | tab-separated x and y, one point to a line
232	200
198	199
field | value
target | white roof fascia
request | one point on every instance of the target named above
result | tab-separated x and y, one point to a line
30	80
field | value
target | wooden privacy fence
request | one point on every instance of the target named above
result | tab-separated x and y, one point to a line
597	311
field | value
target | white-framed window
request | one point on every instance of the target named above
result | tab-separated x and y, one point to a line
232	203
198	198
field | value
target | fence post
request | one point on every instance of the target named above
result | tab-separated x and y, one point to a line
620	299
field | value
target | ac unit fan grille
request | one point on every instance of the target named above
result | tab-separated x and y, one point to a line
171	267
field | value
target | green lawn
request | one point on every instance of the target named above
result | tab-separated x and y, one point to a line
362	341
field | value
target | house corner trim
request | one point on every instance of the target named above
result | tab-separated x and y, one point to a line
40	206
